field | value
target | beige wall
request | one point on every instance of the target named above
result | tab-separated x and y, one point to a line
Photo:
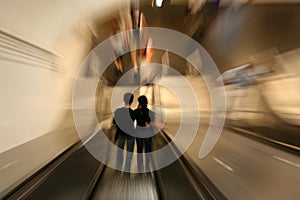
42	46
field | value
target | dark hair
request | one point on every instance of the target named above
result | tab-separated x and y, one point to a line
143	101
128	98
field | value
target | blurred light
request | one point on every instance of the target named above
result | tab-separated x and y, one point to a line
158	3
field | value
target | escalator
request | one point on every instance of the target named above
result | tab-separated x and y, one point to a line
78	175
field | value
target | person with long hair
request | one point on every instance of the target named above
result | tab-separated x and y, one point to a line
144	133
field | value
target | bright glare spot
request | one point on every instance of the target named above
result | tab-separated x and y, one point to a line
159	3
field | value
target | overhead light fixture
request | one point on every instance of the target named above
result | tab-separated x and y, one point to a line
158	3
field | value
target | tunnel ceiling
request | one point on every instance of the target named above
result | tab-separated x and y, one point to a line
166	17
230	36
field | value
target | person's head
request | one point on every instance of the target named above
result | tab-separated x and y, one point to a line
128	98
143	101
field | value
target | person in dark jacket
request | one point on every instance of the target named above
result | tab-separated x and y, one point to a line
124	121
144	132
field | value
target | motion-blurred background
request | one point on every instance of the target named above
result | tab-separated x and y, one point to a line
254	43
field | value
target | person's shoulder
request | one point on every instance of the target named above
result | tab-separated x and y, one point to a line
136	112
119	110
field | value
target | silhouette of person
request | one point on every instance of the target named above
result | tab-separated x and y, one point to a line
124	121
144	132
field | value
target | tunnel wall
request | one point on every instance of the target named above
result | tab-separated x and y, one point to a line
42	44
36	122
237	34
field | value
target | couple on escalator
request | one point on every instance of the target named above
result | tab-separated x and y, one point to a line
127	133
